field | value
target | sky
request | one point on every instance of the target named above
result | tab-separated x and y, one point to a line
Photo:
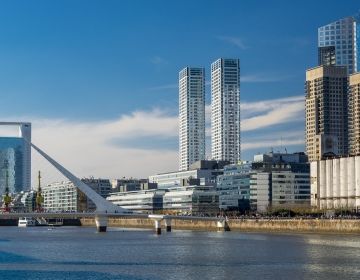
99	79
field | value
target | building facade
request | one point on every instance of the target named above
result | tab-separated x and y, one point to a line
147	201
194	200
335	183
279	181
203	172
354	114
233	187
225	110
12	164
191	116
326	111
344	36
63	197
326	55
191	200
15	158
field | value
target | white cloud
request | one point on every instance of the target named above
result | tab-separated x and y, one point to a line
236	41
263	78
271	143
85	147
157	60
264	113
88	147
261	114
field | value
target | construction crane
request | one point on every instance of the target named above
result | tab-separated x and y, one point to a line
39	197
7	198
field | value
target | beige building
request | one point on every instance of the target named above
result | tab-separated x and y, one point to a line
326	111
354	114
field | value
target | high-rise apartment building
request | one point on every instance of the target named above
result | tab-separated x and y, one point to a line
344	35
191	116
326	111
225	110
354	114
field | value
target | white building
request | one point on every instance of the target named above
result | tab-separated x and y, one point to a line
225	110
335	183
147	201
63	196
191	116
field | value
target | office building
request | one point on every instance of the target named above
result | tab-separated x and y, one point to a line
191	200
225	110
354	114
279	181
194	200
15	159
202	172
147	201
335	183
128	185
343	35
101	186
233	187
191	116
326	111
326	55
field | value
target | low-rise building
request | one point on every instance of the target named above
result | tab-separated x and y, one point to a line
180	200
63	197
234	187
335	183
147	201
128	185
192	200
203	172
280	181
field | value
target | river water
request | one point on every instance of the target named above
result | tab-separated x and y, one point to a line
81	253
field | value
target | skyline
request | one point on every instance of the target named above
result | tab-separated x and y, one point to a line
79	77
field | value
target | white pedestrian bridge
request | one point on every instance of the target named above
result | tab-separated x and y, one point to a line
104	208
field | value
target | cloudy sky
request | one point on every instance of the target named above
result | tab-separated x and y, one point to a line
98	79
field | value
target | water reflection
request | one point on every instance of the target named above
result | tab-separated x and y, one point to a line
140	254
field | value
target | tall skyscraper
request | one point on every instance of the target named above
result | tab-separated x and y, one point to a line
192	116
326	111
344	35
225	110
354	114
15	159
326	55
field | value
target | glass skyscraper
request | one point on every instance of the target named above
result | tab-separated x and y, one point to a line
12	164
344	35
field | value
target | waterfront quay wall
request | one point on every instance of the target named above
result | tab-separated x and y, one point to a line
255	225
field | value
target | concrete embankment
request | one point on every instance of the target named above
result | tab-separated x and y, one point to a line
259	225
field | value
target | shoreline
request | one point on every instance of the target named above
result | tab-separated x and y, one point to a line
269	226
290	226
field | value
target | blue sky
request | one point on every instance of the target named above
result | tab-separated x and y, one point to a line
70	64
